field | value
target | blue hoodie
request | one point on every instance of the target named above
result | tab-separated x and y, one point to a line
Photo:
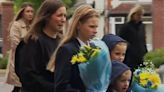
111	40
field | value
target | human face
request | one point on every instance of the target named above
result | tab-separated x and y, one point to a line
28	13
122	83
57	20
88	29
137	16
118	52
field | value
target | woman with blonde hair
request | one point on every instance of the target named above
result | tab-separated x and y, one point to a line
137	10
18	29
134	33
70	77
33	53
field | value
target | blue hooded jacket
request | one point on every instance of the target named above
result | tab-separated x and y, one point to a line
111	40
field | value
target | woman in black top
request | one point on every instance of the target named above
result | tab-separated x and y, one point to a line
134	33
82	29
33	53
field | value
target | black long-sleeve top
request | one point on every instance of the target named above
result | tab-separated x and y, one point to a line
31	62
134	34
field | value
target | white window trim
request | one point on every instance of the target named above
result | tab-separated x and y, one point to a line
122	20
147	22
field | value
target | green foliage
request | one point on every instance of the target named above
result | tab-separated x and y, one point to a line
68	3
70	12
18	3
156	57
3	62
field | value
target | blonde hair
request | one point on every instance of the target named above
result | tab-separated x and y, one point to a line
127	72
120	44
81	14
136	8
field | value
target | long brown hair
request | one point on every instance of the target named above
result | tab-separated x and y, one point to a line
19	15
20	12
46	10
81	14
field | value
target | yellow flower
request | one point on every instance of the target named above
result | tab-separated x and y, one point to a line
74	59
85	54
144	75
81	58
96	51
147	77
155	79
143	82
87	47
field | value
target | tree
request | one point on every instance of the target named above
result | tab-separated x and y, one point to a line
18	3
70	7
68	3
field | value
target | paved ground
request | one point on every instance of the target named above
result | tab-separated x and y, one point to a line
3	86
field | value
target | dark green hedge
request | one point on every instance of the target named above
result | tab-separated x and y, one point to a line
3	62
156	56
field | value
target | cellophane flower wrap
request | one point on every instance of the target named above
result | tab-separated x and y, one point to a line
94	66
146	79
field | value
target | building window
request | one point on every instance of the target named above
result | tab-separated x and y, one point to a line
119	20
147	20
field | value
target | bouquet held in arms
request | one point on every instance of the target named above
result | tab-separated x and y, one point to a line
94	66
146	79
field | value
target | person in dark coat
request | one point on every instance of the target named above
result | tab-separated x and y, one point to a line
34	52
18	28
134	33
120	78
82	30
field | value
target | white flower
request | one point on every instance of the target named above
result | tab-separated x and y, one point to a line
137	72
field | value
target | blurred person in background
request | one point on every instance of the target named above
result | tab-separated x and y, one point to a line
34	52
18	28
134	33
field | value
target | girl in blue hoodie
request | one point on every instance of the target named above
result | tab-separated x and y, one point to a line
116	45
121	74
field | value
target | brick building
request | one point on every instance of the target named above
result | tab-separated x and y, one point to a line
158	23
153	18
119	14
6	15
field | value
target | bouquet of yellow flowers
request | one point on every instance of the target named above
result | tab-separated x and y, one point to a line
146	79
85	54
94	66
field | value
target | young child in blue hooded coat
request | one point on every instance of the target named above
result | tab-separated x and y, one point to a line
120	77
116	45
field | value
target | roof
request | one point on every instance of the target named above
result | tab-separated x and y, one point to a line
124	8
